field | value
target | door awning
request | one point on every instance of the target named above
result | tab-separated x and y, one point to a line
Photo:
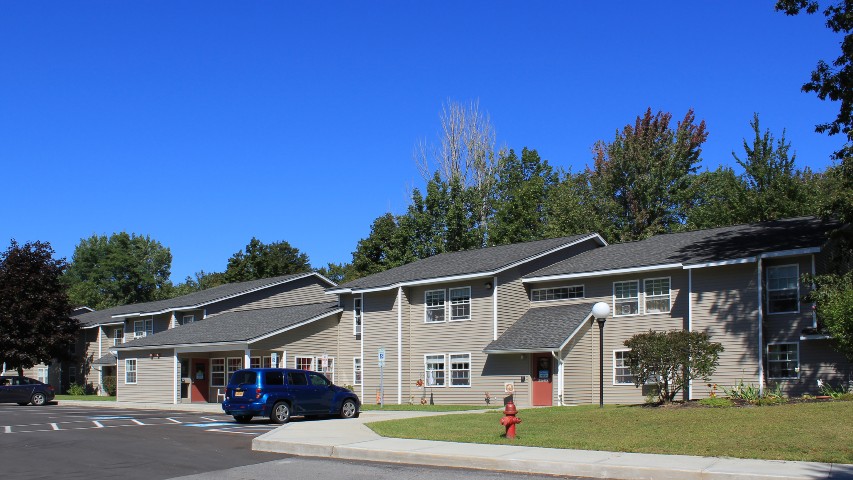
542	329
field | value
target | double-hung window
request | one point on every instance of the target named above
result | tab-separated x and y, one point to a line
460	303
187	319
42	374
621	370
434	300
626	298
356	370
783	360
356	316
460	369
783	289
255	362
657	295
434	370
558	293
217	372
118	336
142	328
130	371
304	363
234	364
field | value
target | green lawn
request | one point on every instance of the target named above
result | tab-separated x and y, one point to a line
818	432
426	408
85	398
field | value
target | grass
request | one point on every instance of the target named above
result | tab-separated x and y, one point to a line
86	398
817	432
426	408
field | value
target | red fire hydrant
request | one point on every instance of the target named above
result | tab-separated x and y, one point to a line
510	420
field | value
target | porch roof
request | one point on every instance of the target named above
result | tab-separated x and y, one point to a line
542	329
236	327
108	360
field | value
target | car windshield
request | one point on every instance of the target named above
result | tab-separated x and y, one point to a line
244	377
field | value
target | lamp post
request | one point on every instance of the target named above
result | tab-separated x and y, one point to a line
600	311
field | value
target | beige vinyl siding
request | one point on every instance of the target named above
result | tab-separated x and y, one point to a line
349	346
379	326
311	340
818	360
580	367
787	327
298	292
154	378
725	305
198	315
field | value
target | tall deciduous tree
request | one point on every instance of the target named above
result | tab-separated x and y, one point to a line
377	252
833	297
35	314
259	260
117	270
642	178
521	197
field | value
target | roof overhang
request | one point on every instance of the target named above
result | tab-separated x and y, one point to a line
101	324
599	273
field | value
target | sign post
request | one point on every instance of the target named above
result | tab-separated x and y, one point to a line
381	377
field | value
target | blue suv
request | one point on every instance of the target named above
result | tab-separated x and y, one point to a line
279	393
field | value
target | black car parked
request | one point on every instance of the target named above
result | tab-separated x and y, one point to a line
23	390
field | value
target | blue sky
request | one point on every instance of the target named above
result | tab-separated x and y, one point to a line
203	124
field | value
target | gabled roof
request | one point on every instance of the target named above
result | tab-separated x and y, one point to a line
686	249
542	329
236	327
198	299
465	264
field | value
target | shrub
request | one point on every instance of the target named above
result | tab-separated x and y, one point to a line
716	402
752	394
671	359
835	392
76	389
110	385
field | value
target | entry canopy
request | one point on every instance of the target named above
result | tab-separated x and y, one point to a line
108	359
542	329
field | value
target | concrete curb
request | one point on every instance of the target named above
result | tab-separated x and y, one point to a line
183	407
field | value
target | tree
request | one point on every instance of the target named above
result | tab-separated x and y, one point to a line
670	359
642	178
35	314
521	197
719	199
118	270
260	260
571	208
833	299
337	272
202	281
378	251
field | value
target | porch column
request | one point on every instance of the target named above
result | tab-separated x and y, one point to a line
176	377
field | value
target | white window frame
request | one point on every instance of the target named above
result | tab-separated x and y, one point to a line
296	358
796	368
357	371
72	375
329	371
624	365
770	290
255	362
266	361
184	320
229	371
551	292
147	328
357	315
118	336
43	374
214	363
435	377
646	295
450	369
127	371
460	302
442	309
639	305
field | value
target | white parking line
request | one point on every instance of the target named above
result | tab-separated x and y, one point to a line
136	421
173	420
8	429
54	426
208	419
98	424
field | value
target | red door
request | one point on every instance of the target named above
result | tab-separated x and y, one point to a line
200	371
541	372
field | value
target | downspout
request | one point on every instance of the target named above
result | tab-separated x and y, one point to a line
760	330
690	322
399	345
560	380
100	368
176	380
363	363
814	312
495	307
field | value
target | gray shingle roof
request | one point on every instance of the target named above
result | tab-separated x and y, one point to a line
108	359
541	329
483	260
700	246
236	326
202	297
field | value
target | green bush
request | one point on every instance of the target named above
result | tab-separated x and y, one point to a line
76	389
835	392
741	391
110	385
716	402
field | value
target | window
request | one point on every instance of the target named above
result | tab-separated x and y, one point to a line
118	336
266	362
143	328
434	300
245	377
130	370
73	349
657	295
234	364
356	371
217	372
274	377
460	303
255	362
460	369
304	363
72	375
621	371
559	293
356	316
434	370
316	380
783	289
626	298
42	374
296	378
783	360
187	319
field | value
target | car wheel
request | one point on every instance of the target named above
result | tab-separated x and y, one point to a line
280	413
348	409
243	418
38	399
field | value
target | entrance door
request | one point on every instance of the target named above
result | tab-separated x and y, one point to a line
541	372
200	382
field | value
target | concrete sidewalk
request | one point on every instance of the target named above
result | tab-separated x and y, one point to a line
180	407
352	440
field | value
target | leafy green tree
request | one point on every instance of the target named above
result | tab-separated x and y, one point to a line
572	210
259	260
521	197
642	178
719	199
670	359
337	272
202	281
378	251
833	299
35	314
117	270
